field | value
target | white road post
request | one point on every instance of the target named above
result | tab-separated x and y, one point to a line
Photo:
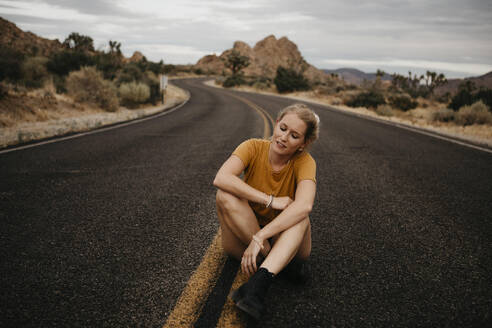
163	81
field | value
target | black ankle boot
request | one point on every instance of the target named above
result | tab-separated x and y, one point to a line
297	272
250	296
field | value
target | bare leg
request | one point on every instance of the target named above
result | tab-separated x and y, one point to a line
293	242
237	222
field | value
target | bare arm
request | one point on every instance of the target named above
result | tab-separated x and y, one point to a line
298	210
227	179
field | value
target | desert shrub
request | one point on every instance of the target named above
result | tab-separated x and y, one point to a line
155	92
60	83
477	113
384	110
418	91
443	115
347	87
288	80
467	96
10	64
88	85
108	63
4	91
462	98
444	98
368	99
130	72
485	95
152	80
326	90
234	80
79	42
67	61
156	68
134	93
260	83
34	71
403	102
169	69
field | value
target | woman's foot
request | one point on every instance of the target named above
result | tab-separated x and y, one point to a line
250	296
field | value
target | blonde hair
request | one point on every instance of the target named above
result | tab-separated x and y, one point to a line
308	116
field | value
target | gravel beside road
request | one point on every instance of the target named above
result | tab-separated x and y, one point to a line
26	132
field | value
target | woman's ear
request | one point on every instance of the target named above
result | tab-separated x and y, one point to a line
304	146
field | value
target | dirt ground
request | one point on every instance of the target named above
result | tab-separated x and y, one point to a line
26	116
418	117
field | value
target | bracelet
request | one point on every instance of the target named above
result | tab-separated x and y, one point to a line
257	240
270	202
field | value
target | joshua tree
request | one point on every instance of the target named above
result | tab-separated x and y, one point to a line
379	74
79	42
432	80
236	62
114	47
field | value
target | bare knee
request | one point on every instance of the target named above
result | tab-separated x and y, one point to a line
225	200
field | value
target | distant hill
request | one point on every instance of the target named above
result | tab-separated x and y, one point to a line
26	42
355	76
29	44
453	84
265	57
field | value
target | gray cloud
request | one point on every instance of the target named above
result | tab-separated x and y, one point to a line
381	31
93	7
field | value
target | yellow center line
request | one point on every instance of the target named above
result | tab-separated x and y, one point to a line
190	304
231	316
263	113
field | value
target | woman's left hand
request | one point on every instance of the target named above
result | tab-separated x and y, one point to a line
248	261
281	203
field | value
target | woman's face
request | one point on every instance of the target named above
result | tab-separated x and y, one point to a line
288	135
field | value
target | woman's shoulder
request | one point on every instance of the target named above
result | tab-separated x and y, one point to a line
304	158
257	143
252	147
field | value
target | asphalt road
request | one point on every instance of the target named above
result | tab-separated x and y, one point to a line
105	230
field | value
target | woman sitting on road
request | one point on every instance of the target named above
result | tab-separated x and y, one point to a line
264	219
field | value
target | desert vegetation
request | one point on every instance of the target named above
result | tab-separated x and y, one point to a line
412	98
75	75
276	65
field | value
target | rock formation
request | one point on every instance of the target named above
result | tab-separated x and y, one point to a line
136	57
26	42
266	56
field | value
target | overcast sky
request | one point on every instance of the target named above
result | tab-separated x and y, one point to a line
449	36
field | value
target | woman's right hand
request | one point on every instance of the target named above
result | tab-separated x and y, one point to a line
281	203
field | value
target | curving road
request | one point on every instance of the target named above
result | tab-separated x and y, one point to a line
106	229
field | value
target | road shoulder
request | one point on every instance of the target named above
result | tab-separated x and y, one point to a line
457	133
28	132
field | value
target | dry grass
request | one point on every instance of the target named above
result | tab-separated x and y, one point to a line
31	116
384	110
422	116
39	106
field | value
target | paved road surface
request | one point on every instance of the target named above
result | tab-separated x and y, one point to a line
106	230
